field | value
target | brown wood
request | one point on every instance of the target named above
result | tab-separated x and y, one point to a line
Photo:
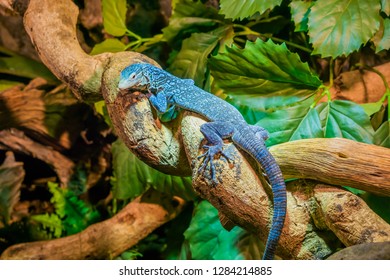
16	141
316	212
336	161
107	239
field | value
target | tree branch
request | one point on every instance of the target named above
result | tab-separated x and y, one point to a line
315	212
312	208
107	239
336	161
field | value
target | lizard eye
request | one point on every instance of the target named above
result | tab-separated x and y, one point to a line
132	76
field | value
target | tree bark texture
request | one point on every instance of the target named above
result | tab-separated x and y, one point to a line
243	197
107	239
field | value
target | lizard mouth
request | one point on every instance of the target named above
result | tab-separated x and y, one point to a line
135	88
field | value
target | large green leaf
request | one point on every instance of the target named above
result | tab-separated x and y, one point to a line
208	240
20	66
191	61
132	177
114	17
382	135
341	118
384	42
300	11
338	27
263	75
245	8
189	15
293	123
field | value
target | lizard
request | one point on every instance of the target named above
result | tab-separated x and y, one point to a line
168	92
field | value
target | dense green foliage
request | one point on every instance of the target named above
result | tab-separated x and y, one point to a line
262	57
273	60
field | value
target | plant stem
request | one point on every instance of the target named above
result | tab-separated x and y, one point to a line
325	89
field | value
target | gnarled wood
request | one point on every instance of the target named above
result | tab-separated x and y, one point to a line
316	213
16	141
241	197
107	239
336	161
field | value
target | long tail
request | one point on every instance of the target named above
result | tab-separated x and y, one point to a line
249	142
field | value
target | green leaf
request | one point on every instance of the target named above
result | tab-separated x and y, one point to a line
341	118
101	108
20	66
245	8
11	178
114	17
132	177
384	42
371	108
75	214
50	222
189	15
131	254
300	11
379	204
338	27
108	45
191	61
79	215
293	123
208	240
382	135
5	84
385	7
263	75
58	199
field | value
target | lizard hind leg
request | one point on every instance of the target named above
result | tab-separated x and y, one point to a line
260	132
214	132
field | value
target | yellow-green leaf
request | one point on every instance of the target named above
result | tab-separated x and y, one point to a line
114	17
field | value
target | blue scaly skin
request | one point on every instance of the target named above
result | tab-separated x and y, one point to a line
225	121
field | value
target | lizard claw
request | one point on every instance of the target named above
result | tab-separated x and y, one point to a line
208	160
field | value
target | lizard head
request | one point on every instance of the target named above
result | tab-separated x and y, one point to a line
133	76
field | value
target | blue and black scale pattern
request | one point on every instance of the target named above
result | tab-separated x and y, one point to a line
225	121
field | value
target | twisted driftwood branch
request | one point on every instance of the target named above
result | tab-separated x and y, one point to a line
312	208
107	239
336	161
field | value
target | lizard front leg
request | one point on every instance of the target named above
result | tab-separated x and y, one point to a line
159	102
214	132
166	111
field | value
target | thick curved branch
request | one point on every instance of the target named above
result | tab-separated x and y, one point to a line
336	161
51	26
108	239
312	208
241	197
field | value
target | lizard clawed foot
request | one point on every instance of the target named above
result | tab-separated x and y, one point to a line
208	156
